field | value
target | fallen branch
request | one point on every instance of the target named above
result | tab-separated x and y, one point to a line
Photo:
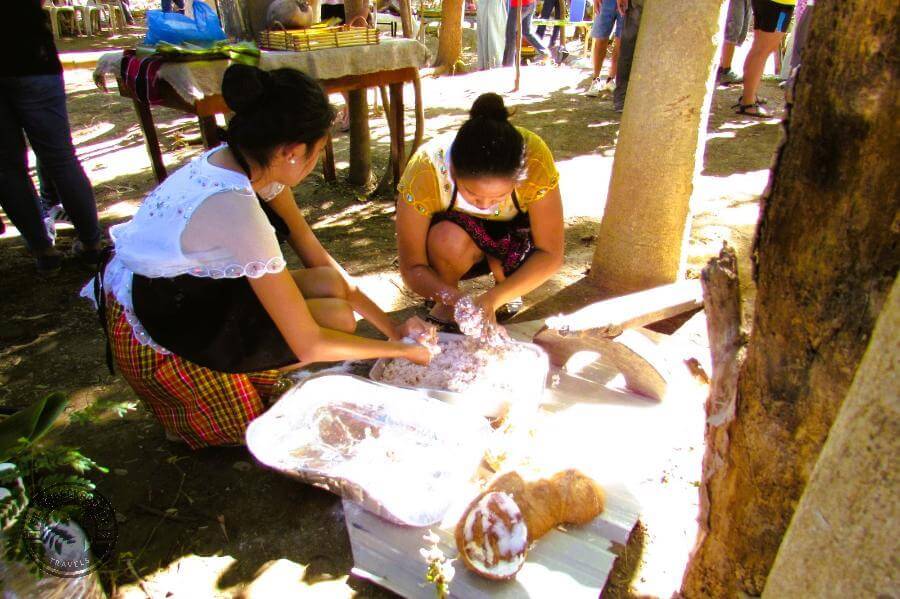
722	302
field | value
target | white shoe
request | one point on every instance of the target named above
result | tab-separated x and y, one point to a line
610	85
50	226
594	90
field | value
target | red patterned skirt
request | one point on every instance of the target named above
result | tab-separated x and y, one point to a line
201	406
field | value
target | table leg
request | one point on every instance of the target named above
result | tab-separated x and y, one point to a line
328	170
398	144
145	118
209	131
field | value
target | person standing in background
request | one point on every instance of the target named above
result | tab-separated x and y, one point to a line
606	16
770	22
509	50
631	10
550	7
33	105
737	24
491	15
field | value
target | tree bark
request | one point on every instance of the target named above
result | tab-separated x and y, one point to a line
450	40
842	541
825	258
660	148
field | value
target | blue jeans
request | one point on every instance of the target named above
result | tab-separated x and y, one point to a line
509	51
35	106
554	7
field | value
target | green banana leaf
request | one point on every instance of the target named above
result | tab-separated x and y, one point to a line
243	52
32	423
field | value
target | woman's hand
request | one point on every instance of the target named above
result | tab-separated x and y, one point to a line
488	306
415	328
418	354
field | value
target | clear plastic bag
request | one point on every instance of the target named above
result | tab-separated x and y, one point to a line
203	29
397	452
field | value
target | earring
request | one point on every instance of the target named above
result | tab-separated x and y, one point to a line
293	161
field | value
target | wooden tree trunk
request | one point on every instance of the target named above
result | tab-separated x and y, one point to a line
641	239
450	40
842	541
826	256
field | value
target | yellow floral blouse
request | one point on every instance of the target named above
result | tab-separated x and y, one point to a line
427	186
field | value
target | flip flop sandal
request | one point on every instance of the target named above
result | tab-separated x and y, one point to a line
508	310
754	110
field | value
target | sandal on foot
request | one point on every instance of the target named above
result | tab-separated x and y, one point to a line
754	110
508	310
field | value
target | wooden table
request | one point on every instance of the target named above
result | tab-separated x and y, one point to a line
209	106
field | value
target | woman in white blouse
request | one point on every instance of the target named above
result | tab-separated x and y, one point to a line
200	312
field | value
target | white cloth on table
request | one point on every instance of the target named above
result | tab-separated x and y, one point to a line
205	221
491	32
196	80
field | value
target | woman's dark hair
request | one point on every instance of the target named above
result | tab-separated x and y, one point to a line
487	145
273	108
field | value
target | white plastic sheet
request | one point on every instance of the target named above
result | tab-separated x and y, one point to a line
399	453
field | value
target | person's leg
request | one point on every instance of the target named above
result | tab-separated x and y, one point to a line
320	282
558	15
727	55
546	9
764	43
18	197
332	313
601	29
600	48
626	52
734	23
614	59
126	11
47	193
509	49
527	14
451	253
46	123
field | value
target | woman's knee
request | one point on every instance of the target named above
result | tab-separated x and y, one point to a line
321	282
332	313
448	242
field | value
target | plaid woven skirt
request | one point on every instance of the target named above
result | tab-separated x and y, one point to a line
201	406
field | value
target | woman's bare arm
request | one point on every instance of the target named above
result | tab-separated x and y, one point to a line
412	239
547	231
311	252
284	303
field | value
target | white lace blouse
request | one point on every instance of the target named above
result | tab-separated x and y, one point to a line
204	220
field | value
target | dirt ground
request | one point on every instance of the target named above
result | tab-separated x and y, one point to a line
221	506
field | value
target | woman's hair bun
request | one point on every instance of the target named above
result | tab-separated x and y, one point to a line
489	106
244	86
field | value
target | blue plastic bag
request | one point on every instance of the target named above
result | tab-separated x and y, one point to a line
175	28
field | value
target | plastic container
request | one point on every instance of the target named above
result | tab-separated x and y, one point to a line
399	453
488	403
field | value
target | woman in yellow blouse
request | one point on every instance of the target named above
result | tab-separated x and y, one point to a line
486	199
